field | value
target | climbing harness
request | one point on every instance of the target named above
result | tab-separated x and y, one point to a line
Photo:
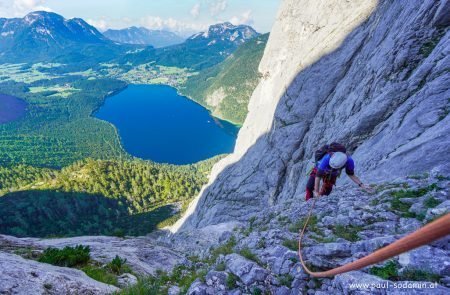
425	235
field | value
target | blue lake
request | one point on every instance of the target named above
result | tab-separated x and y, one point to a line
155	123
11	108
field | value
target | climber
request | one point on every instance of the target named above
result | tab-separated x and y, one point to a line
330	161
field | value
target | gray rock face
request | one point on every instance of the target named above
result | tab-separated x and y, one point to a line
371	224
126	280
174	290
371	74
22	276
217	279
248	271
197	288
427	258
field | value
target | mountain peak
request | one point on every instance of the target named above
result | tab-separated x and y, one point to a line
226	31
226	25
41	15
45	33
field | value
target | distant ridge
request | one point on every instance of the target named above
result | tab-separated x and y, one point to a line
200	51
144	36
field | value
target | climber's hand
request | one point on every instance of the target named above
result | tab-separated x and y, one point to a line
316	194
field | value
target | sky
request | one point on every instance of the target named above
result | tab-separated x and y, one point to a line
182	16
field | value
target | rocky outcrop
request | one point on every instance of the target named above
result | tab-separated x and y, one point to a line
144	255
248	271
371	74
261	256
23	276
345	226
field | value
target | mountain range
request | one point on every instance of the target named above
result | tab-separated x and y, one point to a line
199	51
49	37
45	35
144	36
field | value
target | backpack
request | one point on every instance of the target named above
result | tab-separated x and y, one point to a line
329	149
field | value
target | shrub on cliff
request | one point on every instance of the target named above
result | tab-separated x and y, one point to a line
69	256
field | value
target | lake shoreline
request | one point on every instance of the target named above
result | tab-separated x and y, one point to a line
239	126
158	129
116	131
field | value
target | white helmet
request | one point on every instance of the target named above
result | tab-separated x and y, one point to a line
338	160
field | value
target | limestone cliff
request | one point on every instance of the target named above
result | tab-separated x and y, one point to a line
372	74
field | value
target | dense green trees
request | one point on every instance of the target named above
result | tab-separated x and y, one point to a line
142	184
93	197
59	130
22	176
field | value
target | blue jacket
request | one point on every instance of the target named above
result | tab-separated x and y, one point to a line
324	168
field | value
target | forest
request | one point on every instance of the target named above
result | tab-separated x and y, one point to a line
58	128
96	197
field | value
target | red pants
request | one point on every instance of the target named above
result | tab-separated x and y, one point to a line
328	182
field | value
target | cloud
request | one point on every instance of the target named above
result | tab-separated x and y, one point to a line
100	24
25	6
216	7
104	23
15	8
245	18
184	28
171	24
195	11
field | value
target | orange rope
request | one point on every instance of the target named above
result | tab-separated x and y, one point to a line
425	235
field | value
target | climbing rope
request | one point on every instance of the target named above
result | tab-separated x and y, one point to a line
425	235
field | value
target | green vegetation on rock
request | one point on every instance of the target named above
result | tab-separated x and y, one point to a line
224	249
291	244
350	232
182	276
387	271
402	207
390	271
79	257
100	274
247	253
69	256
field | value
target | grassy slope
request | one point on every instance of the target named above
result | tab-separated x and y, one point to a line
233	80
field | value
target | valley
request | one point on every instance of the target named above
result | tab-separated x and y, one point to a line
95	108
63	93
